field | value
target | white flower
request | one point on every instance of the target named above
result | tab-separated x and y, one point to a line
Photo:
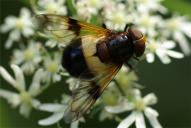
17	26
24	98
178	27
52	66
58	111
111	95
163	51
52	7
125	78
105	115
139	107
73	83
116	16
28	58
87	8
148	24
53	43
146	6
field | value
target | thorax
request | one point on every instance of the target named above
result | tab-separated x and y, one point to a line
117	48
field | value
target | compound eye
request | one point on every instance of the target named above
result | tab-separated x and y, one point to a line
135	34
140	46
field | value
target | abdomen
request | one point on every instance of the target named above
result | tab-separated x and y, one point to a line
74	62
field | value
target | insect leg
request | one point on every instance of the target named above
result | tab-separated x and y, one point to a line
130	66
136	58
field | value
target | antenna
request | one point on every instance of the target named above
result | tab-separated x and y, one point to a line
128	25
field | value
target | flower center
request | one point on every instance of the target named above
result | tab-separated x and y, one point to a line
110	99
144	1
52	67
19	24
146	22
28	54
140	105
173	24
94	3
118	18
25	97
52	7
153	46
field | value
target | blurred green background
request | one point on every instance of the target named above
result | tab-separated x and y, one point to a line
171	83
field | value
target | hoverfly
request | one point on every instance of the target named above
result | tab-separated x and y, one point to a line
92	54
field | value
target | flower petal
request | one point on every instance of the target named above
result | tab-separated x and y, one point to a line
25	109
105	115
19	77
140	122
15	35
4	28
7	76
150	57
162	56
150	99
150	111
27	32
182	41
35	103
175	54
8	43
51	120
56	77
151	114
169	44
52	107
136	94
128	121
186	29
11	97
24	13
6	94
8	25
35	86
74	124
120	108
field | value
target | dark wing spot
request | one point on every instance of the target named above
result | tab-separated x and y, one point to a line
74	26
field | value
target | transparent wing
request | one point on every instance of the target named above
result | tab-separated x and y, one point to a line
65	29
88	92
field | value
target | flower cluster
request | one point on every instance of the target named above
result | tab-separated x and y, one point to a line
24	98
39	58
18	26
50	6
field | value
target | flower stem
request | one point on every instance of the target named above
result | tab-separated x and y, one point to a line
71	7
119	88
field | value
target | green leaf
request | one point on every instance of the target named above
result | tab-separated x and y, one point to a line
26	2
71	7
183	6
